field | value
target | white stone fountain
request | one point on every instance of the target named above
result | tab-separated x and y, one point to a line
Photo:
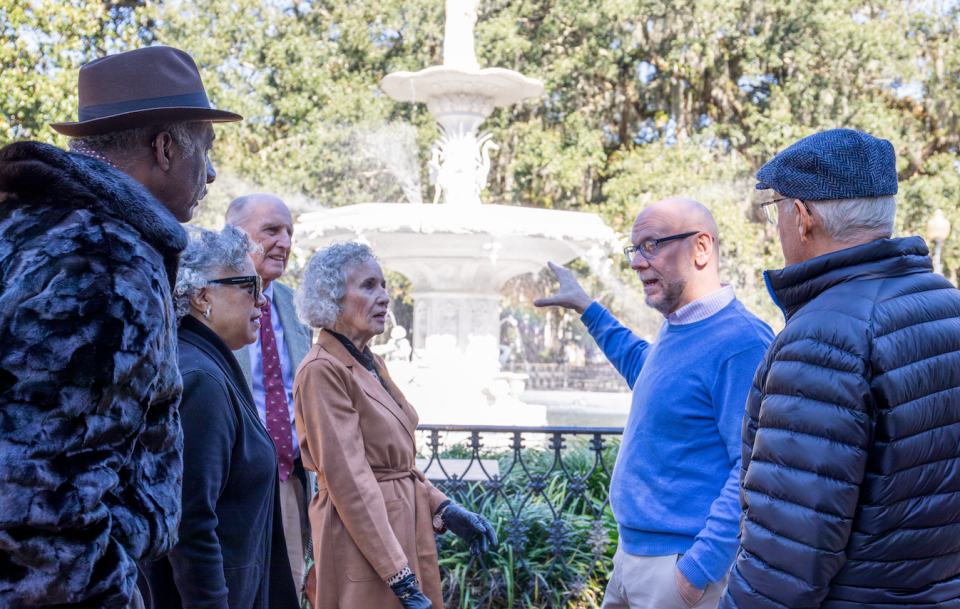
459	254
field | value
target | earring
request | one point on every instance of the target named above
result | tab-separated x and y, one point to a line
206	314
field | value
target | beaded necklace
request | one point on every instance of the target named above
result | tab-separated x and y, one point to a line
93	154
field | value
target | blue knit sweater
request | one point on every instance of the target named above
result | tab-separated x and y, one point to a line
674	487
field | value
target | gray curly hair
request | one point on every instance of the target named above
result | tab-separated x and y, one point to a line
207	254
324	284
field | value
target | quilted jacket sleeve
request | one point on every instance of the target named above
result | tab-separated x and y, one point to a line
806	438
90	463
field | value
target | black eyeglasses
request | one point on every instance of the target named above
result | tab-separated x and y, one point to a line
651	247
772	212
246	279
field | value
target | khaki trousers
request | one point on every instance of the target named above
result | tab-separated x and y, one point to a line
646	582
293	512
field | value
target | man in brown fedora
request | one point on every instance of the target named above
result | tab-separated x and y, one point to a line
90	439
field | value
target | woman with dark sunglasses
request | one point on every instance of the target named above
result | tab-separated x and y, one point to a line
231	551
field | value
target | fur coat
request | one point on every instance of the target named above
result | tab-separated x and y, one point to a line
90	438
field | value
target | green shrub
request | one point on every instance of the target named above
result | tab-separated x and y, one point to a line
552	517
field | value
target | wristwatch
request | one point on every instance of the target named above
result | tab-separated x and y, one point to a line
438	517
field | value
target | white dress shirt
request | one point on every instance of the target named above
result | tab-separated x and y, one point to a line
256	371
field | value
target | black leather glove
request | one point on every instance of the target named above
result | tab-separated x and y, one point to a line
408	591
472	528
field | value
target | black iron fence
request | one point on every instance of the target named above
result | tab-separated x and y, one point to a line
545	490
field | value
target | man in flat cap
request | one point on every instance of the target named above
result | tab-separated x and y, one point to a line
850	487
90	439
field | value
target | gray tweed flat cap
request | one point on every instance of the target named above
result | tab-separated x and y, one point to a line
834	164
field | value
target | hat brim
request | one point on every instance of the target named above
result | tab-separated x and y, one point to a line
144	118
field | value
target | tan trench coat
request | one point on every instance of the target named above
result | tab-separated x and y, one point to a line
373	513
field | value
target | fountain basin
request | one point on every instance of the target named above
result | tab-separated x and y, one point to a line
473	248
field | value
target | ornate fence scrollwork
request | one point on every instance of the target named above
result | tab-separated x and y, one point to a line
545	490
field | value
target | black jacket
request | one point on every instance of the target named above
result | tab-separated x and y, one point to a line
231	551
90	438
850	485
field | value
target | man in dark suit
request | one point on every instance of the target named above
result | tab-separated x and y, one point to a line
270	364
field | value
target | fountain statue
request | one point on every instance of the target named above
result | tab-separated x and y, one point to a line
458	254
461	96
458	50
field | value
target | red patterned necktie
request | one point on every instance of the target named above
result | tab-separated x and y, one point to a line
275	396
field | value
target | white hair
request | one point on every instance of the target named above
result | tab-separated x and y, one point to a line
324	284
241	208
848	220
207	254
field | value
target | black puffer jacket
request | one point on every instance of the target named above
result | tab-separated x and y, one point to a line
90	438
850	485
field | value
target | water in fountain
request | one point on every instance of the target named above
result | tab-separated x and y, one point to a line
395	146
550	345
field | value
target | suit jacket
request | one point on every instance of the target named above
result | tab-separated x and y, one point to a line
372	515
231	551
296	336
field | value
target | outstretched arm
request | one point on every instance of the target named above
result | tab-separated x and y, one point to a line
624	349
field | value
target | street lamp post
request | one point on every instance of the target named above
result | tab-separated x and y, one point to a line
938	229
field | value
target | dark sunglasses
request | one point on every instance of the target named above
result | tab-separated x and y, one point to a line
254	279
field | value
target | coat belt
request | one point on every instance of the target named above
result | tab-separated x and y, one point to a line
423	519
385	475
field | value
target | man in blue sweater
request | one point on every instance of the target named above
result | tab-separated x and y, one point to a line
674	487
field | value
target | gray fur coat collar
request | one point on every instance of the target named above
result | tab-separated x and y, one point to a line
44	176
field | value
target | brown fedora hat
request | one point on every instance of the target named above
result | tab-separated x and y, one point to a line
150	86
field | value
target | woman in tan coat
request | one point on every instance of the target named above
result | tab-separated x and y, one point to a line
375	514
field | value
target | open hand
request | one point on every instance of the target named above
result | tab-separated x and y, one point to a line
570	295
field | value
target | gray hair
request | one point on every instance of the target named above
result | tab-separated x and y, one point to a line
324	284
122	145
207	254
848	220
